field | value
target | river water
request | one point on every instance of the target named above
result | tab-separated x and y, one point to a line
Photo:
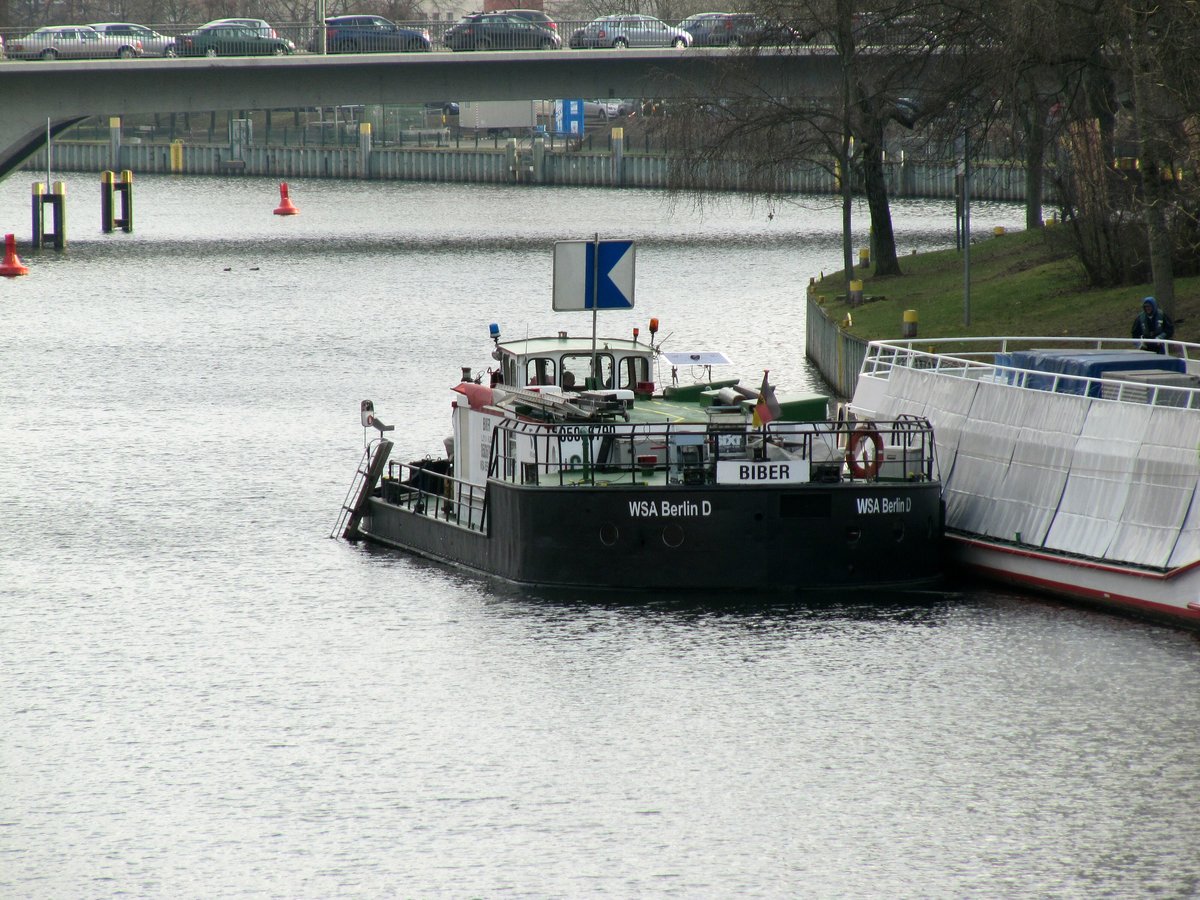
203	695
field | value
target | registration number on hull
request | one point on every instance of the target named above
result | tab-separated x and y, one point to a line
877	506
647	509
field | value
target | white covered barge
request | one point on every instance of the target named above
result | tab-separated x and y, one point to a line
1070	466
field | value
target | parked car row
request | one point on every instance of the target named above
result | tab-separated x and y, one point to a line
512	29
126	40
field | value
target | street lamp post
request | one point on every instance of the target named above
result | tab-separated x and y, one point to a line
965	172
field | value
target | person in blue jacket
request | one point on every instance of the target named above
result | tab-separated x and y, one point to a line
1152	323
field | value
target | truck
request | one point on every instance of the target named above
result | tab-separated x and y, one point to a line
505	118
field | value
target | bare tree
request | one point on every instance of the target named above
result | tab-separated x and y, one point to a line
882	56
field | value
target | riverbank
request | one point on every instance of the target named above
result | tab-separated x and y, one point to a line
1022	283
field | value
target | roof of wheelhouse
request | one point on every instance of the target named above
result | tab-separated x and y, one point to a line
541	346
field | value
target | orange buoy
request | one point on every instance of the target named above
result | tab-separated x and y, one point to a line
285	207
12	265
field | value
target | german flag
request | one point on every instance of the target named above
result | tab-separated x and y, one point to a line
767	408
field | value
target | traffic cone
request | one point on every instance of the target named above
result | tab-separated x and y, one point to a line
285	207
12	265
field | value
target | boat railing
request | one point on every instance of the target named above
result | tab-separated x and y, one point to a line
982	359
569	454
425	489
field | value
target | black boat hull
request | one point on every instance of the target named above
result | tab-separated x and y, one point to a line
819	537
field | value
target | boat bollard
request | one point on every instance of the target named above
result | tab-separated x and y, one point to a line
12	265
177	154
908	327
285	207
56	199
856	293
864	257
110	189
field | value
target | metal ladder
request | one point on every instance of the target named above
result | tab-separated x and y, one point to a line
370	467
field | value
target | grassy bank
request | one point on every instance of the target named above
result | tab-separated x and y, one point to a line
1022	283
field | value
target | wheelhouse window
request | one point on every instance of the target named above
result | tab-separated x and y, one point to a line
580	366
540	370
508	370
634	370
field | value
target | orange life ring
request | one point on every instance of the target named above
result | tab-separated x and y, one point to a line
862	466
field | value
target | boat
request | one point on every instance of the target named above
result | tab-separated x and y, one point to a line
1069	464
578	462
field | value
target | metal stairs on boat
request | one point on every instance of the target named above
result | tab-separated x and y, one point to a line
366	476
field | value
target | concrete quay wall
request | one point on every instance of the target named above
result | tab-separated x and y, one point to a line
509	163
837	354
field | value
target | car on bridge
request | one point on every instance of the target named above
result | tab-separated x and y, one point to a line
70	42
499	31
262	26
621	31
221	39
536	16
153	43
725	29
370	34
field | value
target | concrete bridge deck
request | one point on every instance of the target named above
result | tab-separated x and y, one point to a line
55	95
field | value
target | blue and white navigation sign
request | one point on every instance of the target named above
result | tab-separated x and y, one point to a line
568	117
593	275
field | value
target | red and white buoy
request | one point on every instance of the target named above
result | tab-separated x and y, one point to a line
12	265
285	207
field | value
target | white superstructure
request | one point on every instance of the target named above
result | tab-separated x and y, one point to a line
1068	466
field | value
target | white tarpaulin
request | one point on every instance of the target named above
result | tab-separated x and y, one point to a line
1028	495
1082	475
1098	482
1162	491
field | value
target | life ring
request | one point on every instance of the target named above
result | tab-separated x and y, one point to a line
862	466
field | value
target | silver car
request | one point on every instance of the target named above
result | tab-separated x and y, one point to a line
70	42
153	43
630	31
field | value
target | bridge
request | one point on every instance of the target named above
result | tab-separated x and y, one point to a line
65	93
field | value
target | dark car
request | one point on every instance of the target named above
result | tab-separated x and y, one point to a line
499	31
878	30
536	16
370	34
262	26
222	39
629	31
723	29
